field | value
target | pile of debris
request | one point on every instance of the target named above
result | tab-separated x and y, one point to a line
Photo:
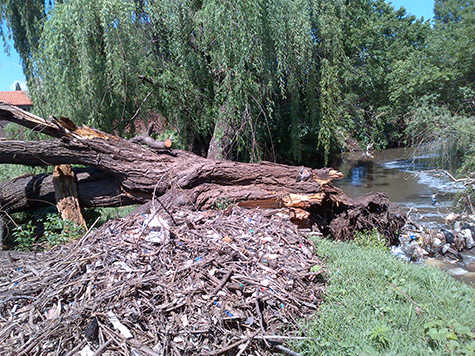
233	281
418	241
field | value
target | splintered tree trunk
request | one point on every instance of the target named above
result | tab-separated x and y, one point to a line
182	178
95	189
66	194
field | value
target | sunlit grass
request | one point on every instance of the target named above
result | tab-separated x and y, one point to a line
378	305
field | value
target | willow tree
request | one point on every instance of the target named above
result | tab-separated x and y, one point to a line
235	64
23	19
88	60
240	79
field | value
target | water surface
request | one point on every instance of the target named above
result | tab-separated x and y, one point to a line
411	181
406	180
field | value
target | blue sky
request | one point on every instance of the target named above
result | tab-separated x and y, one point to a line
11	71
417	8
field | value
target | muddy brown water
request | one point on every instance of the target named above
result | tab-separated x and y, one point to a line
407	178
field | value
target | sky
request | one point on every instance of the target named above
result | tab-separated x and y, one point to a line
11	70
418	8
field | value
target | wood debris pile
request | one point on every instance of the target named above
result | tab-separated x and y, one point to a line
157	283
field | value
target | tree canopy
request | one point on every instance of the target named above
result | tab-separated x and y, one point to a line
285	80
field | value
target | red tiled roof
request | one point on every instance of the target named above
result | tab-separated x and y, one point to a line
16	97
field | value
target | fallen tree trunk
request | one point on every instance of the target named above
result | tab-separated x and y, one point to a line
141	171
183	178
95	189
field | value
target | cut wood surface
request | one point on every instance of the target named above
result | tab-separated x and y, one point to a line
179	177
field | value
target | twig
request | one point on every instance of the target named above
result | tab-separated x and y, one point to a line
407	297
282	337
140	108
259	313
144	227
166	210
232	346
36	340
142	347
74	350
18	297
223	282
286	350
246	345
83	238
102	347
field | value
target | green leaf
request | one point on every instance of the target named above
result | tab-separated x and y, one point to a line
462	329
316	268
436	334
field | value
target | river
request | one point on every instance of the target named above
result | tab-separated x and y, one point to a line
408	179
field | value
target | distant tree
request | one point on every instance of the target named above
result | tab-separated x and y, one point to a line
451	11
377	39
442	73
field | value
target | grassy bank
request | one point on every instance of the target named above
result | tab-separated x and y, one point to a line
378	305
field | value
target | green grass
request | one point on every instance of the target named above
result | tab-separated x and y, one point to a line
10	171
112	213
378	305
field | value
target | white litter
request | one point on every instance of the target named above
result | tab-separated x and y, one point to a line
124	331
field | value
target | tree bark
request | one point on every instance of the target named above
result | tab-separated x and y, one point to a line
141	171
95	189
220	144
180	177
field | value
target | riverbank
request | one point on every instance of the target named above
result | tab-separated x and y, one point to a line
376	304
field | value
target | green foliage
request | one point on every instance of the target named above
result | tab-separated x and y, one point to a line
44	228
457	338
281	79
10	171
56	231
24	236
442	72
380	336
378	305
371	239
24	19
222	203
88	59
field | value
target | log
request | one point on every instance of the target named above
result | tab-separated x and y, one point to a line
183	178
96	189
140	171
